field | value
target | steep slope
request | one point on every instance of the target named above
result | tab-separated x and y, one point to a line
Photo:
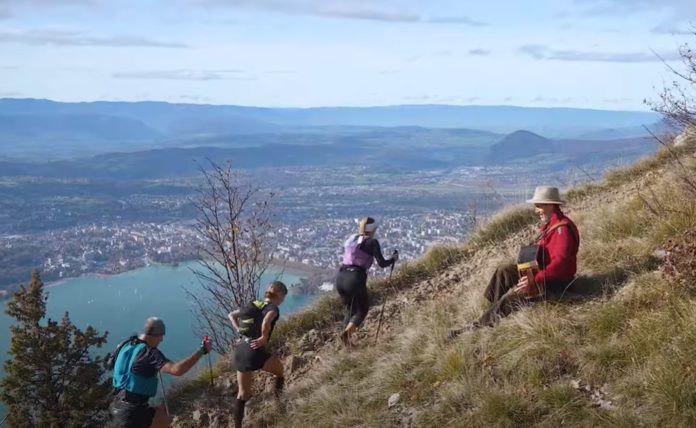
618	354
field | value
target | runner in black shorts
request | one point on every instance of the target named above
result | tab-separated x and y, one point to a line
255	323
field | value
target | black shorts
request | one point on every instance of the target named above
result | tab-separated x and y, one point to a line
247	359
130	415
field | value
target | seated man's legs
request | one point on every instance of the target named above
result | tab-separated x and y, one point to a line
500	309
504	278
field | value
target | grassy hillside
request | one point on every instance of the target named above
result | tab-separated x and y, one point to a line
621	354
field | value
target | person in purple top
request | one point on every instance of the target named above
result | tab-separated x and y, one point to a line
360	251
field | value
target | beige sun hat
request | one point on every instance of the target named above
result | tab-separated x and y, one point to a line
546	195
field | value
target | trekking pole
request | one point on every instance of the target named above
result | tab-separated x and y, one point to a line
206	340
384	302
164	395
2	422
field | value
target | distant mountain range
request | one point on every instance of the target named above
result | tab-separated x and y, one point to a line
29	127
142	140
390	149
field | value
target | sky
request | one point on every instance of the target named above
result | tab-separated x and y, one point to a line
605	54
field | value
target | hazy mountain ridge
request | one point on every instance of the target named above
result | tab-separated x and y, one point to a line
196	119
424	151
153	139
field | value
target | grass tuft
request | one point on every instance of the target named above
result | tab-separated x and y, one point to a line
506	410
503	225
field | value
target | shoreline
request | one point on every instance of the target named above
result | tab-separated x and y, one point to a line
301	270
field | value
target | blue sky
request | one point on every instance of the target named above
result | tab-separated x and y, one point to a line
577	53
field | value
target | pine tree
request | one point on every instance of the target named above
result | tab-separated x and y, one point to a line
51	379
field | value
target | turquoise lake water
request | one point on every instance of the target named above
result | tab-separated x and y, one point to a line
120	304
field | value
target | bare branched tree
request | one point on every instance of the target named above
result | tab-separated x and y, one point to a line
234	221
677	100
677	104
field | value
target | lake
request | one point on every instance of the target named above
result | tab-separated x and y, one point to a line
120	304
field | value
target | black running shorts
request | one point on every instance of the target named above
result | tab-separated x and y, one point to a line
130	415
247	359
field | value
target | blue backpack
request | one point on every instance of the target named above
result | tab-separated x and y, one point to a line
122	365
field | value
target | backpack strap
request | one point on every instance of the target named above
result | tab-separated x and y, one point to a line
558	225
260	305
111	358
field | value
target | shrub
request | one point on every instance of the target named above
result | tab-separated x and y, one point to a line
680	265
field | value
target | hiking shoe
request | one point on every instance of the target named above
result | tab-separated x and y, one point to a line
473	325
345	339
453	334
278	387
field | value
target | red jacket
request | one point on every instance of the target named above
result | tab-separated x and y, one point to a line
558	250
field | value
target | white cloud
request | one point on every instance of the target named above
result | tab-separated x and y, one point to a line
201	75
684	8
79	38
673	28
374	10
9	8
42	3
543	52
479	52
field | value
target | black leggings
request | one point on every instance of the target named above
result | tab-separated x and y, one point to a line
352	287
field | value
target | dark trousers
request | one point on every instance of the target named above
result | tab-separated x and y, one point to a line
505	278
129	415
352	287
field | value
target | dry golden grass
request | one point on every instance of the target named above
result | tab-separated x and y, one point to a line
630	350
637	341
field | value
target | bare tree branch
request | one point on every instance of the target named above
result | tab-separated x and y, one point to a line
234	223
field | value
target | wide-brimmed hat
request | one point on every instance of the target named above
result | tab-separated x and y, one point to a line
546	195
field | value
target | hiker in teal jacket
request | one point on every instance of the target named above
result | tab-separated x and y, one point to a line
138	361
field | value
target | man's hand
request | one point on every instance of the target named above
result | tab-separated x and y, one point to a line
259	343
522	285
395	256
206	345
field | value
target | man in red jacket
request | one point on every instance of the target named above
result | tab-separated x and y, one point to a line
556	258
